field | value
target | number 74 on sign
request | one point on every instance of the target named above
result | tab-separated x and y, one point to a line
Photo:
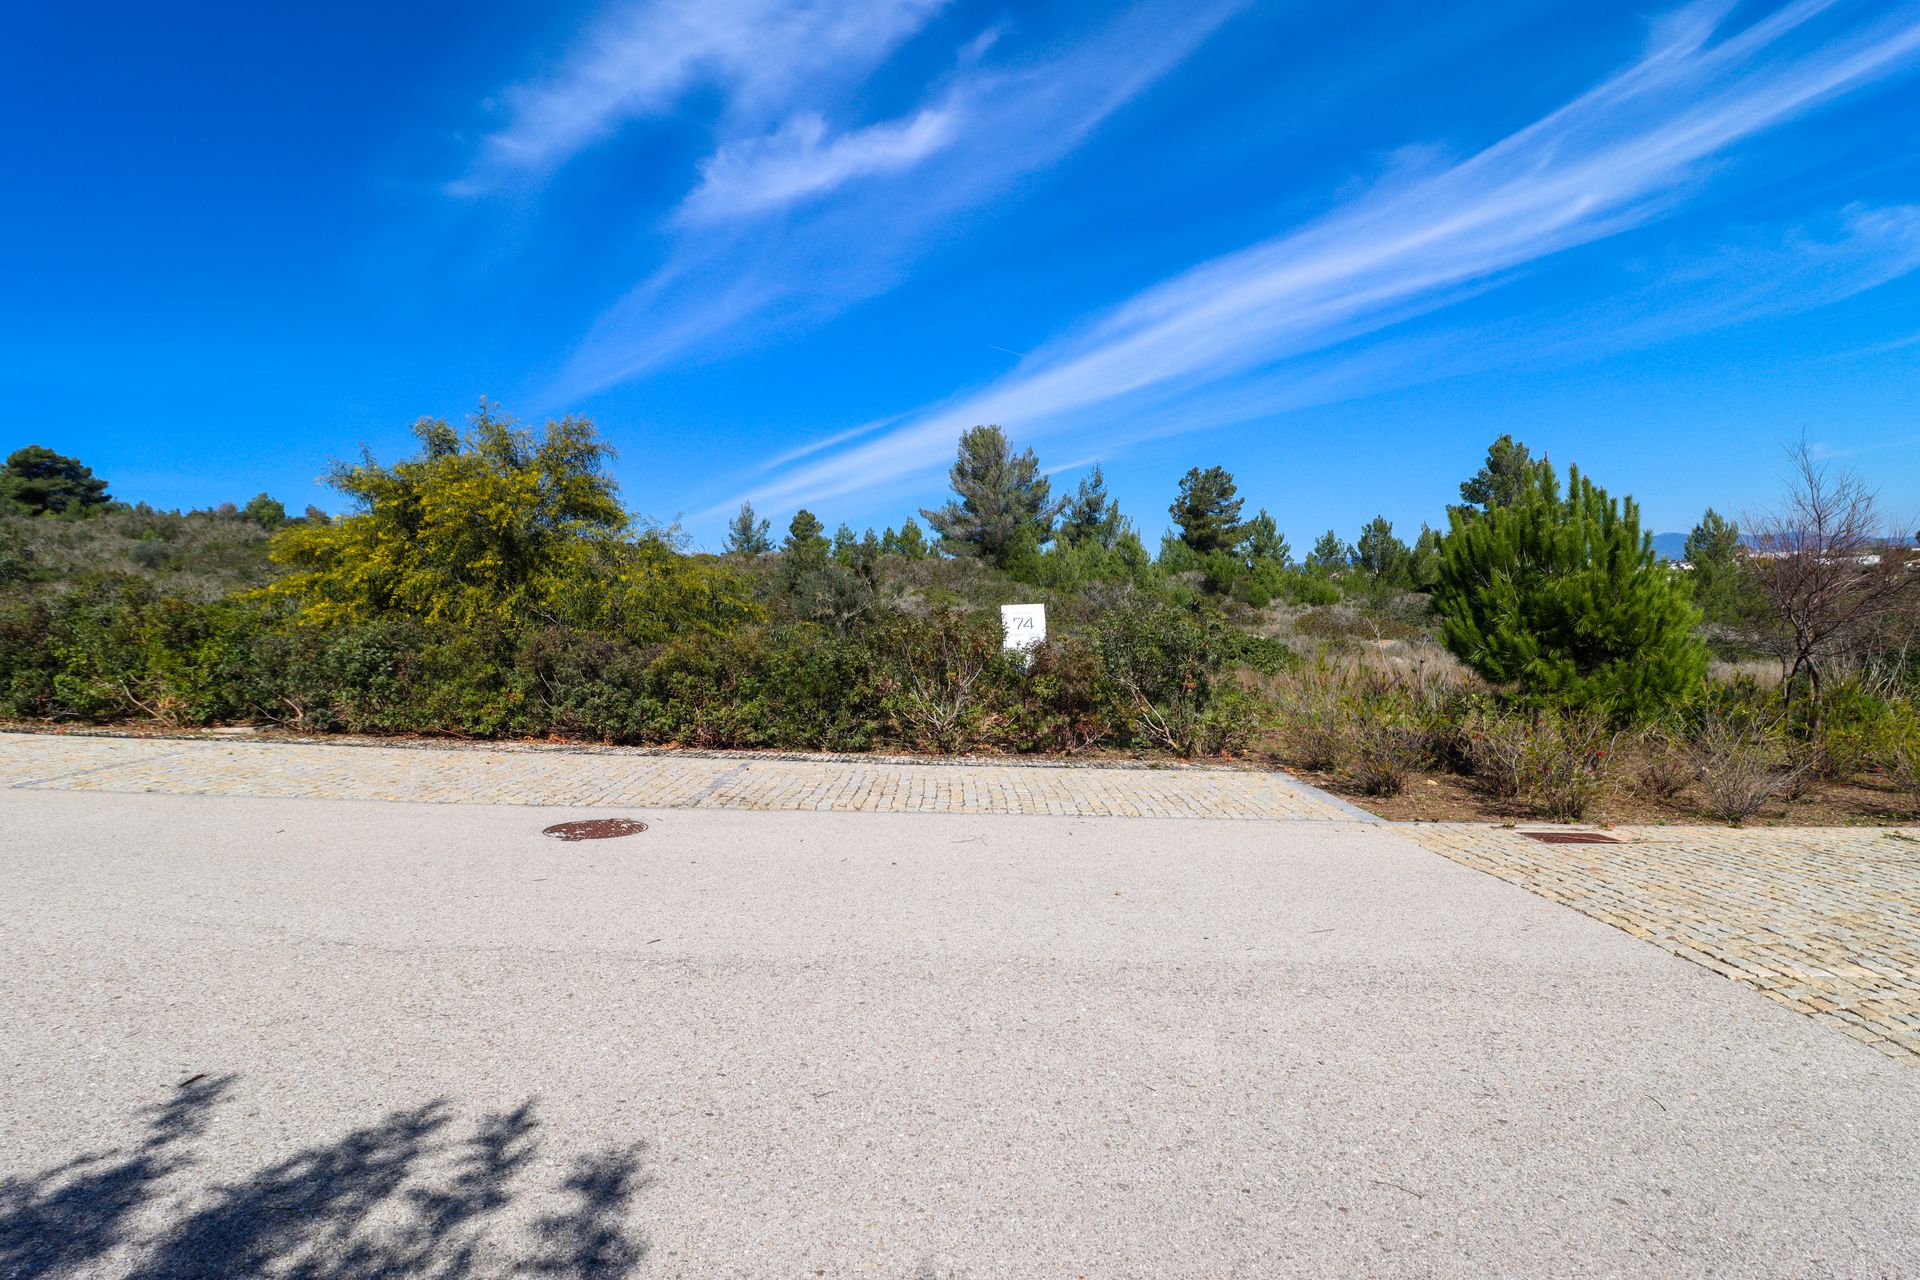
1022	628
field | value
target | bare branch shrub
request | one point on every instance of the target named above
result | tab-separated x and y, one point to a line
1569	762
1383	751
941	665
1831	573
1742	763
1314	723
1497	751
1665	767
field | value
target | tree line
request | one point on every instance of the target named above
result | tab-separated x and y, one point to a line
494	582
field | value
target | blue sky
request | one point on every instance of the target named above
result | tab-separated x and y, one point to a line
788	249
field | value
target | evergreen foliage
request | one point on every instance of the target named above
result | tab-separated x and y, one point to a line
1508	475
1207	511
1264	544
843	543
1562	599
1004	504
1091	515
909	543
265	511
747	535
1423	560
806	540
38	481
1329	555
1713	551
1380	555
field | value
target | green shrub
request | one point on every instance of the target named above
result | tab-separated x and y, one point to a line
1569	762
1169	662
940	678
1066	702
1384	748
1563	600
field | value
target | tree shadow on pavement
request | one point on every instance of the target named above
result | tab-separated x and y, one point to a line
407	1196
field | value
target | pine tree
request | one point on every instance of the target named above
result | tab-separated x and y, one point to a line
1092	516
1329	555
747	536
1423	564
38	480
1264	543
1005	504
1713	551
1379	554
1207	510
806	542
913	543
1564	600
843	543
1507	476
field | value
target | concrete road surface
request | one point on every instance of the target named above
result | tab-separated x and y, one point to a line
331	1038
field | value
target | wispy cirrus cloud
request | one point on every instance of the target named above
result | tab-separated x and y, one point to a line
641	58
795	222
1212	344
800	161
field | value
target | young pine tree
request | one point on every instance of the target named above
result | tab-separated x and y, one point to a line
1562	599
1207	509
912	543
1329	555
1091	515
806	544
1713	549
843	543
1423	562
1264	544
746	535
1380	555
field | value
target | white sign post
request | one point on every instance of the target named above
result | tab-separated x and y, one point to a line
1022	628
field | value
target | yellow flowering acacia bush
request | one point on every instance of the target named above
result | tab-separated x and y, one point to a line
498	528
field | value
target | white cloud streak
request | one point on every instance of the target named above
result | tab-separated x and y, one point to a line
1617	157
801	162
737	273
642	58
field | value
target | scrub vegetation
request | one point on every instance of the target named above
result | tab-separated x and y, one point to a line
1532	658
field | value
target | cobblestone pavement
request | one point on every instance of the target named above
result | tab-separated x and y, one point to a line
650	780
1825	920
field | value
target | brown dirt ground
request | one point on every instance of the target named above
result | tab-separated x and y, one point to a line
1448	797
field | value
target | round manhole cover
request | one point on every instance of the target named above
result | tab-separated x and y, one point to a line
595	829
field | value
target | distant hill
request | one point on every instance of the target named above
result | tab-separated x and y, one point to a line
1670	546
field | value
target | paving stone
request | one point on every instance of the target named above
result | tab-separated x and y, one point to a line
651	779
1824	920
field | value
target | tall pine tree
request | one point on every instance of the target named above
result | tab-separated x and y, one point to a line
1005	505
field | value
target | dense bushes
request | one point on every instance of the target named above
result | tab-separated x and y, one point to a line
1140	674
1730	752
494	586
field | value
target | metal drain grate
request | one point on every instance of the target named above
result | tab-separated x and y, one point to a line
595	829
1569	837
